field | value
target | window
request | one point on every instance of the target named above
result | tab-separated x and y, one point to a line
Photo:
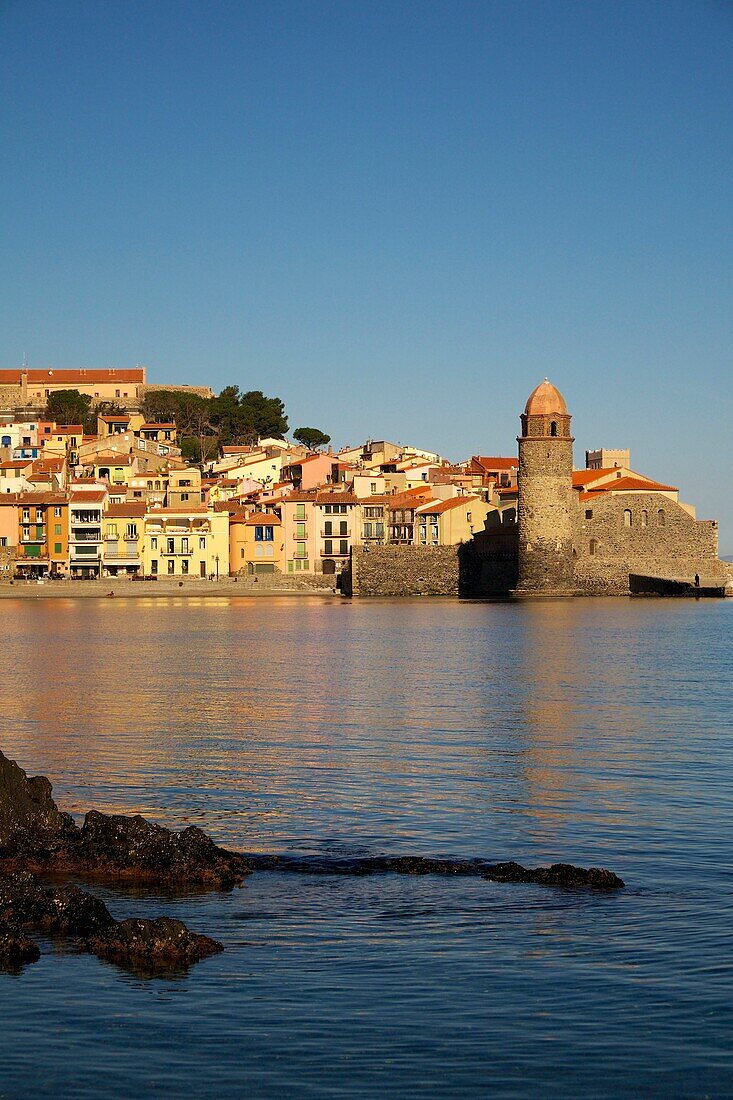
26	515
57	548
26	533
367	530
592	547
661	518
327	509
241	552
269	532
3	540
300	511
184	565
300	550
259	533
202	543
131	531
112	530
468	517
343	527
184	496
328	547
344	545
57	512
589	513
184	545
328	527
57	528
171	566
171	546
553	427
644	518
627	517
154	543
374	488
117	393
300	531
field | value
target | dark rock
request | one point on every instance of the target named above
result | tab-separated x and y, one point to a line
132	847
559	874
25	902
163	942
30	821
16	949
36	836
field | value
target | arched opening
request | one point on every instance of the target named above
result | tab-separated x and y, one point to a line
553	427
627	517
644	518
329	566
661	518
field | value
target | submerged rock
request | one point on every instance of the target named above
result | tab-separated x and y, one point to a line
559	874
163	941
16	949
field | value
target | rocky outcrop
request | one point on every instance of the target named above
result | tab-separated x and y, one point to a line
28	905
131	847
30	821
35	835
163	942
25	902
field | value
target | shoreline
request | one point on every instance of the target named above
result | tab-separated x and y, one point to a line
115	588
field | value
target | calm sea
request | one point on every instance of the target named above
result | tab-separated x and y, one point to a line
597	732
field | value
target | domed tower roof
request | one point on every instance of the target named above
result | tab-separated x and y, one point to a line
545	400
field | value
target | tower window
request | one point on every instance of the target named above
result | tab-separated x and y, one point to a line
661	518
553	427
627	517
592	547
644	518
589	513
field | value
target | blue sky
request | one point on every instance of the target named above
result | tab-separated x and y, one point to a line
396	216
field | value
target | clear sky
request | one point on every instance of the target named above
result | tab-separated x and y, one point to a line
396	216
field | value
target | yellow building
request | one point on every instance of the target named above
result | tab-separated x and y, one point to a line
186	541
449	522
122	532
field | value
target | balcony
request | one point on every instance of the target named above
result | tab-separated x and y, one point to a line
88	537
176	553
334	554
336	534
91	520
30	541
111	554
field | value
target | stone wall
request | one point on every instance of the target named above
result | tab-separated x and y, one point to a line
154	387
7	562
403	571
675	549
11	398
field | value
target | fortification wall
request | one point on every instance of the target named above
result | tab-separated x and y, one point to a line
662	540
154	387
11	398
403	571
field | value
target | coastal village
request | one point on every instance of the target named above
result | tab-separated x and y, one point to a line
122	502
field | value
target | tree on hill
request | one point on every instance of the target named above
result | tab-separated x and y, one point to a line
71	407
312	438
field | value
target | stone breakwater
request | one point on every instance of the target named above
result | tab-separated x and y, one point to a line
37	839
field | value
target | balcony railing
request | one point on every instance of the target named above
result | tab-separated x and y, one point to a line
85	538
176	553
120	555
334	554
335	534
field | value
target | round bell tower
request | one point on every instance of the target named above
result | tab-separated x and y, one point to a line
546	504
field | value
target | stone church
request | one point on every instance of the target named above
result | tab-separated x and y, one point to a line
569	542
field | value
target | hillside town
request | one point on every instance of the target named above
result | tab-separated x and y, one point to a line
124	501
